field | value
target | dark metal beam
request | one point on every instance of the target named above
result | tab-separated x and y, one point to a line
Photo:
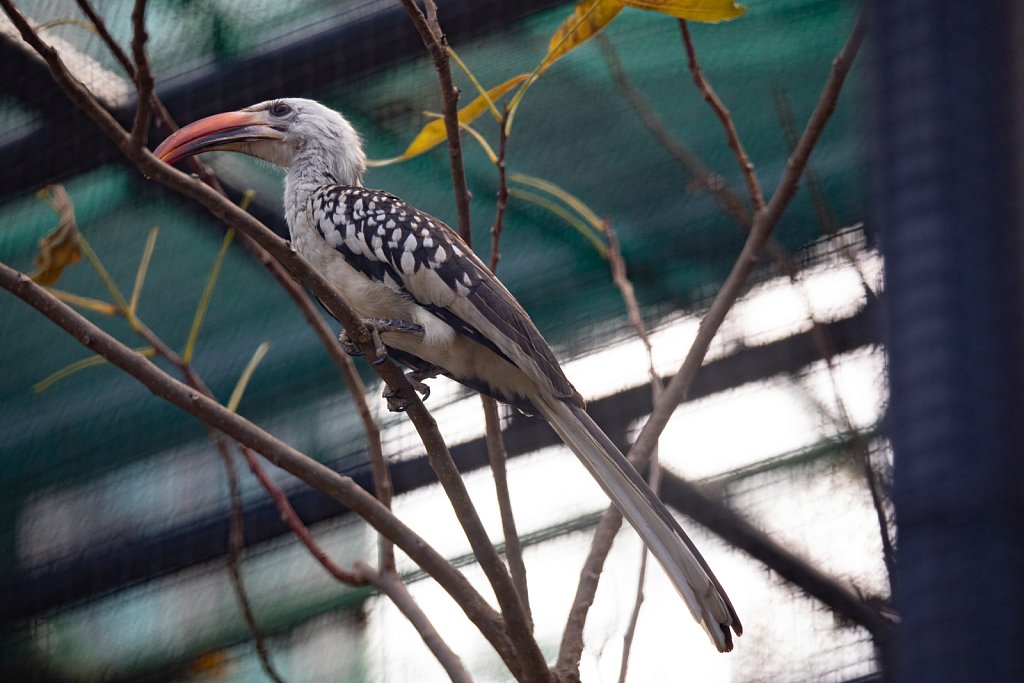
138	560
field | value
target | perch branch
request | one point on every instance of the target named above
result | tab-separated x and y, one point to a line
335	485
529	655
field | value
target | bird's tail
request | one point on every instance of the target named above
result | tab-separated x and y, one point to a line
660	532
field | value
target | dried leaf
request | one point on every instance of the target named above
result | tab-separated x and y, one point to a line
434	133
711	11
587	19
60	247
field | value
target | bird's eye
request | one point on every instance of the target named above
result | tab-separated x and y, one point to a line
281	109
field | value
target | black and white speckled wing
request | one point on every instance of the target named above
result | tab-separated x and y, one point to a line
393	243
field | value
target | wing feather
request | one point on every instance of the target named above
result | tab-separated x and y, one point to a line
385	239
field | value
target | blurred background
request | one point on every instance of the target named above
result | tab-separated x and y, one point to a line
114	513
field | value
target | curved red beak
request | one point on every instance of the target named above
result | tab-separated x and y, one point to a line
218	132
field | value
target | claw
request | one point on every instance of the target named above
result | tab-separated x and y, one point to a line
349	346
396	403
376	326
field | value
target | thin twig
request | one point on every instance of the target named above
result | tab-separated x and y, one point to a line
143	76
826	218
390	584
731	201
746	165
634	618
861	452
495	441
297	526
502	202
100	27
498	457
437	45
571	649
703	176
621	279
236	541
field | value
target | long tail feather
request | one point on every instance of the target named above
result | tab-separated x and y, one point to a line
660	532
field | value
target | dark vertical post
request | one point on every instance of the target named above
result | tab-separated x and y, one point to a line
946	189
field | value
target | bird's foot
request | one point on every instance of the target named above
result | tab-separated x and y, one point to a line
376	326
349	346
396	403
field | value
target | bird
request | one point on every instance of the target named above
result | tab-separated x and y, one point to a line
433	305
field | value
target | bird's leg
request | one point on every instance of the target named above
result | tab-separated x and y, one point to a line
375	327
396	403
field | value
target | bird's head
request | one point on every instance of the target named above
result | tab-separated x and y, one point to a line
282	132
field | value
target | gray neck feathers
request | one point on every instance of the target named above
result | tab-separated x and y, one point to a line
333	155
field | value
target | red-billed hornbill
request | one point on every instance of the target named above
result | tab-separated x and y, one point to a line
438	309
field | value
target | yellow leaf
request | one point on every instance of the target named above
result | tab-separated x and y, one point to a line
587	19
434	132
78	366
60	247
86	302
694	10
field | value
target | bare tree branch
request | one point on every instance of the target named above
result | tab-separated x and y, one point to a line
621	279
571	648
764	222
529	656
495	441
297	526
236	542
502	202
733	137
497	457
391	585
143	76
511	595
437	45
335	485
734	205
